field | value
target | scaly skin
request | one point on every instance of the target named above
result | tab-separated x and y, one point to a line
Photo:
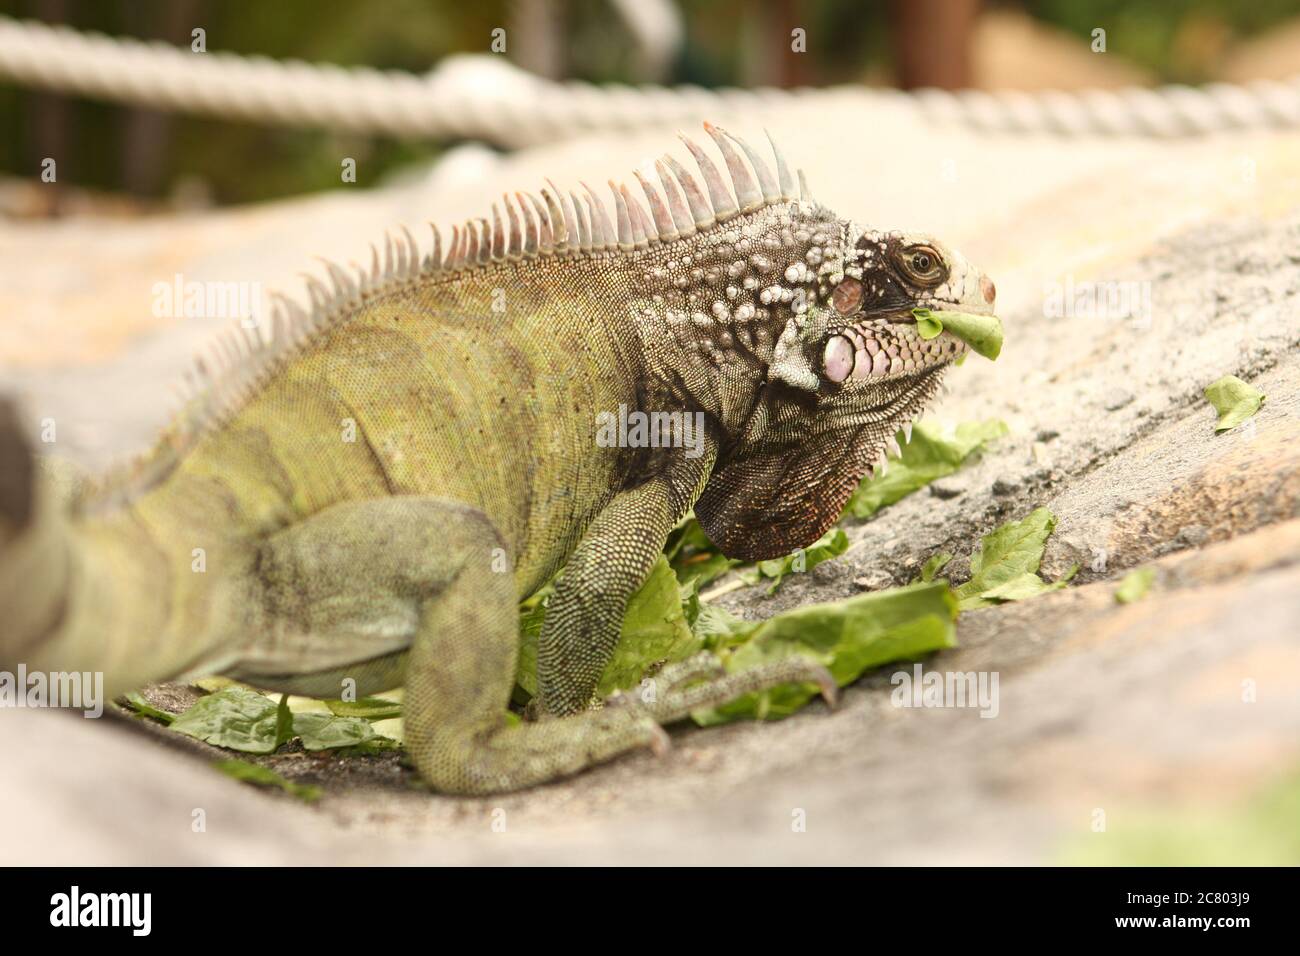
376	507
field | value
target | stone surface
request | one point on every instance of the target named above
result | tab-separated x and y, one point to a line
1187	698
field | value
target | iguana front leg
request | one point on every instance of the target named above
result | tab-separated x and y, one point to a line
585	614
420	570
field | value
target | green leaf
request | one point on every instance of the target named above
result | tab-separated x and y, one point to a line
929	456
247	772
654	629
369	708
236	718
1135	585
926	324
303	705
1005	556
215	683
717	628
283	721
391	729
983	333
327	731
1234	400
136	702
1020	587
847	636
693	557
932	567
832	544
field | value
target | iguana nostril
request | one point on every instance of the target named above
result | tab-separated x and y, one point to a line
989	289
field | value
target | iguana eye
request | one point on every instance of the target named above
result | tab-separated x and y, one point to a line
922	265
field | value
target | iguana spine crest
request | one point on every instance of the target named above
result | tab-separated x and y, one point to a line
243	360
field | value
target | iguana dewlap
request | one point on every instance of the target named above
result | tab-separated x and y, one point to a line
365	489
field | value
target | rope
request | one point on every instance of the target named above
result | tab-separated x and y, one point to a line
484	97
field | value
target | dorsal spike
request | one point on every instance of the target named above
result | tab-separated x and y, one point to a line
581	223
747	194
625	240
805	194
337	290
784	180
279	319
471	242
374	264
412	254
316	291
435	252
453	250
561	228
641	227
343	285
400	263
252	338
771	192
389	258
531	235
544	241
720	198
514	243
663	221
568	202
603	235
297	316
499	250
484	241
701	211
682	220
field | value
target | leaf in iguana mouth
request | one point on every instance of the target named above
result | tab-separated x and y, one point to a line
983	333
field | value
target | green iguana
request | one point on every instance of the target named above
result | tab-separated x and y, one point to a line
366	488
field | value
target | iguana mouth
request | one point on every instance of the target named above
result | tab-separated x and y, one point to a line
882	349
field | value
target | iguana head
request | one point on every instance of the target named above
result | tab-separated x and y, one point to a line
794	329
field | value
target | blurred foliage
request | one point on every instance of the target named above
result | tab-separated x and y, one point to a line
726	42
1178	40
1263	829
240	162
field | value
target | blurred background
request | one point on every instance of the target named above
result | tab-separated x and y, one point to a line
127	160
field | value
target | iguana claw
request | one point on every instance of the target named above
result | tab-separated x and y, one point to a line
660	742
829	690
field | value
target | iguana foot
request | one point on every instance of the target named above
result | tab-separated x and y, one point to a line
703	666
681	694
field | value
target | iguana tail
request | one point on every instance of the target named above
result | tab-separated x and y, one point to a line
78	594
34	569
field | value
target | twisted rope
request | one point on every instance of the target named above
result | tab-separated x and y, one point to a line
484	97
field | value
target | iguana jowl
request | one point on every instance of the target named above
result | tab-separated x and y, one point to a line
341	500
